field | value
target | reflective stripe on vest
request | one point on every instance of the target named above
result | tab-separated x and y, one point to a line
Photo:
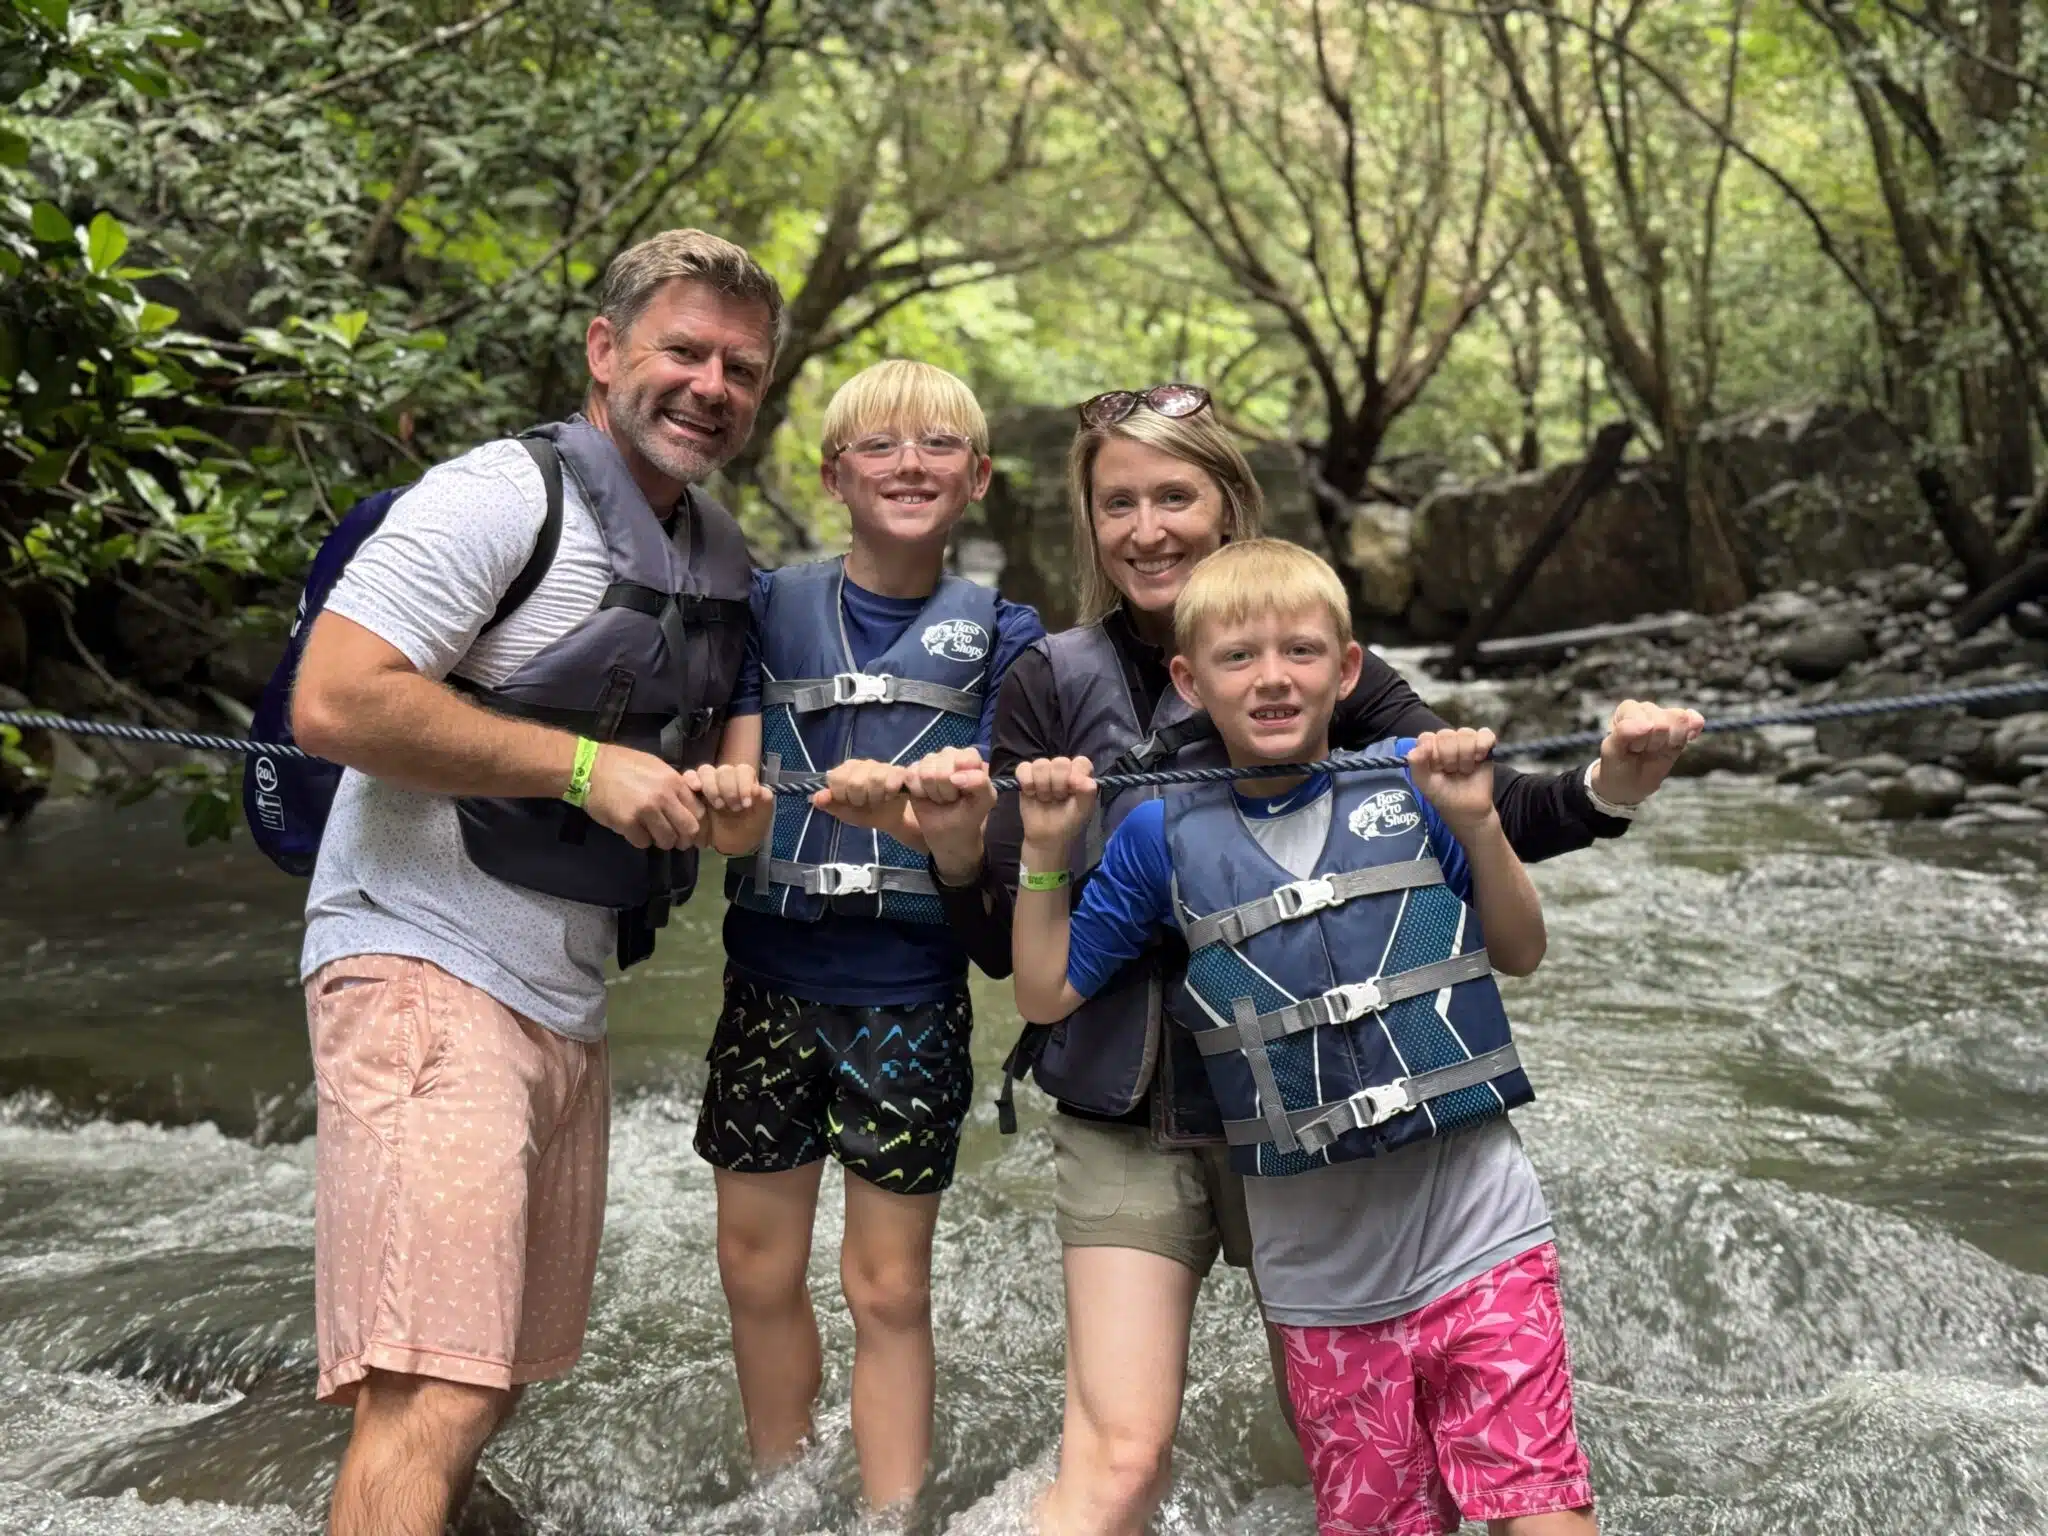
1345	1014
818	710
653	667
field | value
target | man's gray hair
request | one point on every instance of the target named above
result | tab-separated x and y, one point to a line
635	273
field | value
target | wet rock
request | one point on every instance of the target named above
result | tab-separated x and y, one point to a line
1860	808
1382	538
1966	821
1922	790
1805	767
2014	815
164	631
2002	756
241	665
1879	765
1952	592
1777	610
1833	785
1824	650
1729	752
1914	588
1994	794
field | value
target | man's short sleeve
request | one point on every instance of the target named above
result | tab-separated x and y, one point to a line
1126	902
746	691
429	579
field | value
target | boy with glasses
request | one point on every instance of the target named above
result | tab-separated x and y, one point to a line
846	1020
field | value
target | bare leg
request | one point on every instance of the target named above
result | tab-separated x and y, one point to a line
412	1451
1563	1522
505	1410
885	1269
1128	1316
764	1249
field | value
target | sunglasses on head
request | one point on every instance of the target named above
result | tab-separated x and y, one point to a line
1176	400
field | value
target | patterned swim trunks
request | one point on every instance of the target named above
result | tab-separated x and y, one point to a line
1461	1407
884	1090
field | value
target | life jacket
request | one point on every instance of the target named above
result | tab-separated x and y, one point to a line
1345	1014
652	668
819	710
286	800
1108	1054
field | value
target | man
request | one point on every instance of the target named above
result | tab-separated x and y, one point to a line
461	913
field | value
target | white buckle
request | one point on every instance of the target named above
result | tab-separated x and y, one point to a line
1354	1000
861	688
1301	897
1386	1100
847	879
1369	1107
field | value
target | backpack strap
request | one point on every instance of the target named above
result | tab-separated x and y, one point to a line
549	462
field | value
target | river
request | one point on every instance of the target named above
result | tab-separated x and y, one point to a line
1793	1119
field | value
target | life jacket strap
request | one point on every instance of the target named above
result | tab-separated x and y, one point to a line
1314	1130
1300	898
849	879
1340	1005
692	608
807	695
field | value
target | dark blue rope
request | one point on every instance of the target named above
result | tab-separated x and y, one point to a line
1541	746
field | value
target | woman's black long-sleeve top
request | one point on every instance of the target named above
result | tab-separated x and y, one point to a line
1543	814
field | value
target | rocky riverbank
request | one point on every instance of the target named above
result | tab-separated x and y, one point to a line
1877	634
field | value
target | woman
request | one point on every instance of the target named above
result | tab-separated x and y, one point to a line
1143	1197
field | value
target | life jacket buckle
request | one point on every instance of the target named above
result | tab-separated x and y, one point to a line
1354	1000
844	879
862	688
1300	897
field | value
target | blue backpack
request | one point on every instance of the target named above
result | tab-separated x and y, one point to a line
286	799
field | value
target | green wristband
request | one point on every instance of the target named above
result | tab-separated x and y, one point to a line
579	776
1042	879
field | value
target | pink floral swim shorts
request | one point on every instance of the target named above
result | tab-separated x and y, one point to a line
1462	1407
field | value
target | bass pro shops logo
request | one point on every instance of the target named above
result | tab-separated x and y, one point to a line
1386	814
957	640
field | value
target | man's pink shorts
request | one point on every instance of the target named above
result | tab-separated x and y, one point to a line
1461	1407
459	1183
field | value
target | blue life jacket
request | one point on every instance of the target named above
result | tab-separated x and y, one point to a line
285	800
1117	1047
1342	1015
818	710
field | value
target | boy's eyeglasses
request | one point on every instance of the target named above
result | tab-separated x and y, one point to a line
937	447
1175	400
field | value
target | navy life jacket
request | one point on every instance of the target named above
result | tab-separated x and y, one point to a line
1342	1015
286	800
1107	1055
818	710
652	668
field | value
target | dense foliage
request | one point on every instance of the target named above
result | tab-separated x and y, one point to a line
262	256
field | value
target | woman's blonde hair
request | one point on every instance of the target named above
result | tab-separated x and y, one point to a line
1198	440
1258	576
897	395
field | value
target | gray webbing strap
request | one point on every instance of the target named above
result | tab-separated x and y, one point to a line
805	695
849	879
1340	1005
1301	897
764	856
1277	1130
1314	1129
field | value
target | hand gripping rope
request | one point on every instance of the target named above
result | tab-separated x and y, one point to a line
1540	746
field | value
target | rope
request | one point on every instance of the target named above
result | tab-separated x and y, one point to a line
1541	746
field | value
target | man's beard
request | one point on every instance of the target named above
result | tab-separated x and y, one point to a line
637	418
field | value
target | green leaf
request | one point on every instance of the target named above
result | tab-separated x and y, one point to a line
48	224
13	147
349	326
105	240
56	14
155	317
46	469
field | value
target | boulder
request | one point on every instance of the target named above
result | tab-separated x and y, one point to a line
1831	785
1922	790
1824	650
164	631
1382	539
1728	752
1805	767
2010	742
1995	794
1923	736
2013	815
1879	765
1776	610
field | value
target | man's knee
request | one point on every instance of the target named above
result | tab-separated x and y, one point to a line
449	1419
892	1294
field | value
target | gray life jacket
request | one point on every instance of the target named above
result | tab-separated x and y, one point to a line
1107	1055
818	710
653	668
1345	1014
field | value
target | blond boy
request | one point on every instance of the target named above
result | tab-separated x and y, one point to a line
1343	934
846	1020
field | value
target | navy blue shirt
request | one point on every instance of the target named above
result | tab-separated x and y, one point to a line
862	961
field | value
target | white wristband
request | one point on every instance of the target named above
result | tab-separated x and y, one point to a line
1607	807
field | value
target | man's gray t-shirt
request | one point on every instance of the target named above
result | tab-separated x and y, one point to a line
392	877
1370	1239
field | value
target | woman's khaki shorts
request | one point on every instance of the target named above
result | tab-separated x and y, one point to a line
459	1180
1114	1188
